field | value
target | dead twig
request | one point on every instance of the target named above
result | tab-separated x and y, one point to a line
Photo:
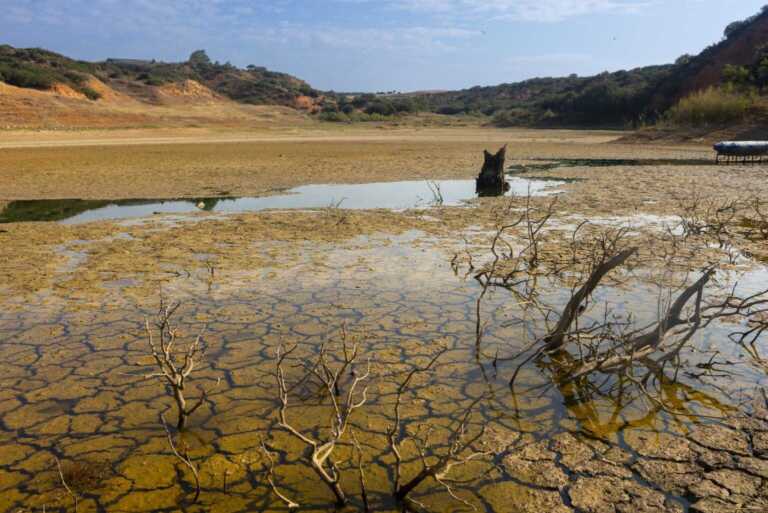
184	458
64	482
573	309
271	478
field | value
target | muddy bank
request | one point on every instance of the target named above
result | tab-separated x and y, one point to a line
714	468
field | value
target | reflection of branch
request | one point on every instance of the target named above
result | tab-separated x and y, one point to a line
394	431
183	458
361	472
440	470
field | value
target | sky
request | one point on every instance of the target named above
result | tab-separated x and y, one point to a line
381	45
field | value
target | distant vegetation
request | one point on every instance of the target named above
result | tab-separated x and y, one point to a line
35	68
711	107
614	99
41	69
738	94
368	107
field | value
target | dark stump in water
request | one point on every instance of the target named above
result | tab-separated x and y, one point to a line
492	180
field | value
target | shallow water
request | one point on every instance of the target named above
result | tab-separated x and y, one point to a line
390	195
73	376
544	164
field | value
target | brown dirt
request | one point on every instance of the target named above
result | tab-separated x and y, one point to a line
188	91
179	105
108	95
66	92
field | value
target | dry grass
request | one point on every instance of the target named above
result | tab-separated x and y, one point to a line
85	475
713	106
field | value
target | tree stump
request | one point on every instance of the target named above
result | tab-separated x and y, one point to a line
492	180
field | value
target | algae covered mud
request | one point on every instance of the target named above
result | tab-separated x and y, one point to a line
477	290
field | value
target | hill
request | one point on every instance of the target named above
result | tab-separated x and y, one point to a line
35	68
736	66
608	99
743	45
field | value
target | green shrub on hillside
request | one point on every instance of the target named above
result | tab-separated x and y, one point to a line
522	117
713	106
333	117
26	77
90	93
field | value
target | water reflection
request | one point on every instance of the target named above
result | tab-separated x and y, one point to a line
545	164
389	195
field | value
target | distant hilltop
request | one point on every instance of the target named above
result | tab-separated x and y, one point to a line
35	68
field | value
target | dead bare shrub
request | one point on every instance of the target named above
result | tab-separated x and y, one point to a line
343	406
175	363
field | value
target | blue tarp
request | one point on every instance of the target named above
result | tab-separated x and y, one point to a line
742	148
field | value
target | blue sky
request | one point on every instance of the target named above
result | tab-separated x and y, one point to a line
372	45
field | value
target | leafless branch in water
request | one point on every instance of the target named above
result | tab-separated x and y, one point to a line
394	432
574	308
175	364
321	458
270	473
336	213
435	467
752	312
437	194
64	483
757	222
512	268
460	452
184	458
707	217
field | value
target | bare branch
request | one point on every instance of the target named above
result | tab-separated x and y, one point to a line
183	458
174	366
556	339
321	458
270	478
64	483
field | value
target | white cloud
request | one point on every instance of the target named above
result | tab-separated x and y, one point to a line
202	22
418	39
418	27
521	10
